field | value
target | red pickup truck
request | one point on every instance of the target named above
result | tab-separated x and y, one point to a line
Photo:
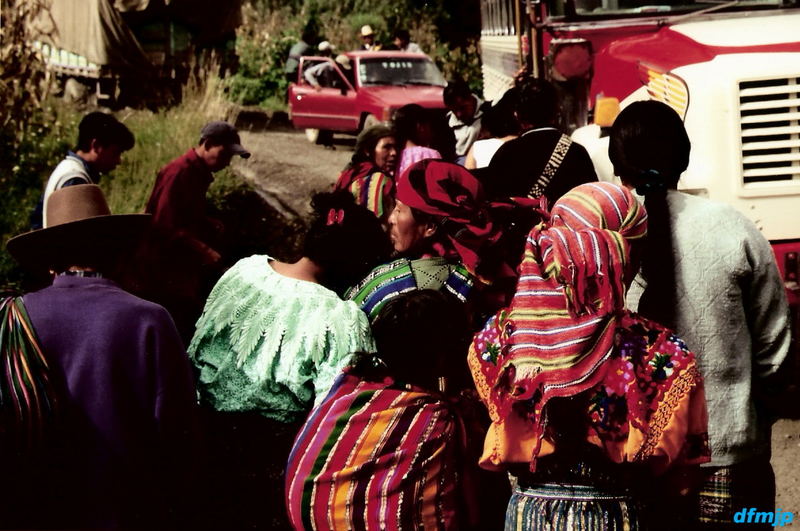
369	92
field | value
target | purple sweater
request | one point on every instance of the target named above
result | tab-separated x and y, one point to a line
130	393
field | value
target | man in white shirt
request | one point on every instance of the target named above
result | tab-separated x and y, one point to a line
101	141
402	39
463	117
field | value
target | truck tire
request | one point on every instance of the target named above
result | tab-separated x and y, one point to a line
369	121
312	135
322	137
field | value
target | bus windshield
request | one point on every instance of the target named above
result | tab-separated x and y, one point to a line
399	71
634	7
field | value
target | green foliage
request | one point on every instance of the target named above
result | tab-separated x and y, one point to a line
22	74
461	62
26	129
262	44
447	30
160	137
25	162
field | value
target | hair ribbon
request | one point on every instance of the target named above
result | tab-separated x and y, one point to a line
651	181
335	216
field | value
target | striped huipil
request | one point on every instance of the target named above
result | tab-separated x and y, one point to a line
374	455
371	188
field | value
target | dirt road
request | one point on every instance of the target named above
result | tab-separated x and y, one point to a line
286	169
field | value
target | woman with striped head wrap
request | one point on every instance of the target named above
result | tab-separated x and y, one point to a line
443	233
575	385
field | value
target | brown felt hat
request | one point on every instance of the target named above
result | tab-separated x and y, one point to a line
80	230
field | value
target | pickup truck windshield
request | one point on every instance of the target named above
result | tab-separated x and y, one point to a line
399	71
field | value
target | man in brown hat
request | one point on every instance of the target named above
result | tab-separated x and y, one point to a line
184	250
368	39
123	392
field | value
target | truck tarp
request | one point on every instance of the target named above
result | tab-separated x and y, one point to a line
95	30
209	20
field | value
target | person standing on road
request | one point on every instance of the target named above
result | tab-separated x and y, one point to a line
414	125
708	273
589	402
368	43
101	141
444	239
368	175
463	116
272	338
183	251
389	427
402	40
501	124
542	161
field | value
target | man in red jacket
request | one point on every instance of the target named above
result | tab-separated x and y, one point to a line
185	242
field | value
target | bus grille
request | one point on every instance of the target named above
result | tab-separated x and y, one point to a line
770	120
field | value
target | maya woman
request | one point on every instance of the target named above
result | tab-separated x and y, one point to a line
442	232
386	449
272	338
587	401
369	174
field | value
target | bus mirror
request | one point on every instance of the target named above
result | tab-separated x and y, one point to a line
605	111
570	59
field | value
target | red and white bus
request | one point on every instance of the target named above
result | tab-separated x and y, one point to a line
731	69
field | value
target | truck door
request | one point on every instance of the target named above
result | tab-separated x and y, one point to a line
331	107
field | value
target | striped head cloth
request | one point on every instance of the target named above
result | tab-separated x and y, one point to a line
452	193
601	205
559	330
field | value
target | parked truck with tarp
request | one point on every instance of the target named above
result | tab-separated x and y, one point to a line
132	51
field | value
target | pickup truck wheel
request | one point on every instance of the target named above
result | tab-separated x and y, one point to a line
370	120
312	135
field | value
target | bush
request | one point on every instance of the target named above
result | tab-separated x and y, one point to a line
447	30
262	44
160	137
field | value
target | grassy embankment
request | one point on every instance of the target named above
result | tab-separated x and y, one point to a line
160	137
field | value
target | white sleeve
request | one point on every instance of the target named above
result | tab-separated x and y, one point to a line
311	74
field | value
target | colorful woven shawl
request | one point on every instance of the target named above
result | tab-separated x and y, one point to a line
27	394
559	330
371	188
374	456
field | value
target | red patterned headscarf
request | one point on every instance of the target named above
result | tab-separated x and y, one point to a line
449	191
601	205
560	327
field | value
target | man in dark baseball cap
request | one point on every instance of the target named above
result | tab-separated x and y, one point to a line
184	249
224	134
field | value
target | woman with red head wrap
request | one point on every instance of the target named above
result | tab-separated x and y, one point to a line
442	230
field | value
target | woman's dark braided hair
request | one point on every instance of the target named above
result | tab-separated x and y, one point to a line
649	149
